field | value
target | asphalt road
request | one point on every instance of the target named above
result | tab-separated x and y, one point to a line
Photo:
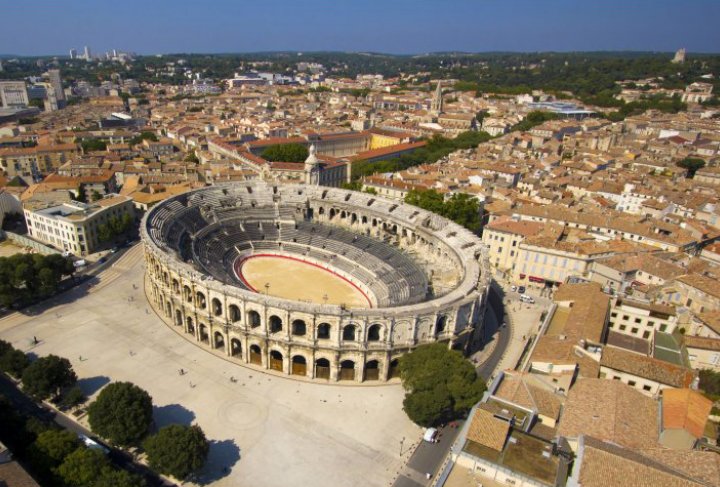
428	457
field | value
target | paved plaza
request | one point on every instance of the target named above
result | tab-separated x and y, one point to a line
265	429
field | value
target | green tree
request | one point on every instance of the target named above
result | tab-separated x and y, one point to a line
177	450
461	208
51	447
82	467
81	194
93	145
14	362
692	164
143	136
192	157
96	195
74	397
110	477
439	383
122	413
285	153
46	376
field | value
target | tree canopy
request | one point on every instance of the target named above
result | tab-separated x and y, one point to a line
47	376
82	467
177	450
122	413
285	153
25	278
439	383
692	164
461	208
51	447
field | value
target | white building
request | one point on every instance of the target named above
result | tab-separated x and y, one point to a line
13	94
74	226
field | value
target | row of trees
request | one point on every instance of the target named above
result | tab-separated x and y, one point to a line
26	278
122	413
285	153
461	208
440	384
437	147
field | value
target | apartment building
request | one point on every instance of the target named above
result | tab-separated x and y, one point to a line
503	238
641	320
13	94
74	226
646	374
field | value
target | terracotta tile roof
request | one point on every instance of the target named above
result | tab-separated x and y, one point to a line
702	343
703	283
488	430
647	367
607	465
685	409
13	475
701	465
515	389
711	319
523	227
611	411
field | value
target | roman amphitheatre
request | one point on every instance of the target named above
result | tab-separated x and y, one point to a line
313	282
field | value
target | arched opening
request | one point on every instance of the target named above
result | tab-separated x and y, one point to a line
216	307
394	369
275	324
219	340
353	218
374	333
235	348
200	300
299	365
349	333
168	309
323	331
342	214
321	211
299	328
234	313
178	317
331	214
176	286
187	294
253	319
364	220
322	368
440	324
372	370
255	355
190	327
204	337
347	370
276	361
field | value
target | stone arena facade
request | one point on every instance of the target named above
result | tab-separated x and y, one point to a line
428	277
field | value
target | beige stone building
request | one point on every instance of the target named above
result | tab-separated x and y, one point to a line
646	374
641	320
74	226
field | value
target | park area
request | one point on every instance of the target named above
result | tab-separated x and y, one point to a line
264	429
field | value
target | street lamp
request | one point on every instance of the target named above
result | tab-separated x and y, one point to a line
401	445
267	288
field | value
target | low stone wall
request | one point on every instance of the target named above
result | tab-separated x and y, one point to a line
27	242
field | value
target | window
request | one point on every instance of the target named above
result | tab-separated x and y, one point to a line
638	320
650	323
663	327
647	388
614	315
646	335
631	383
623	327
626	317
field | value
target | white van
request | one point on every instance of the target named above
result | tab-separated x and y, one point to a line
527	299
430	435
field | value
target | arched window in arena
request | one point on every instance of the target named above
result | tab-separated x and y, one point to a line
178	317
347	370
235	348
349	333
299	328
353	218
332	213
204	337
187	293
374	333
254	319
219	340
216	307
323	331
200	300
372	370
176	286
299	365
255	355
440	324
190	326
394	370
234	313
276	324
276	361
322	368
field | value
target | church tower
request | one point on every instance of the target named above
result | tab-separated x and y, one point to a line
436	105
312	168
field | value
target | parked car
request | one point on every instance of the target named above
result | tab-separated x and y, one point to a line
527	299
521	290
430	435
93	444
513	288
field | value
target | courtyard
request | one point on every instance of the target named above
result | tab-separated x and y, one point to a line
265	430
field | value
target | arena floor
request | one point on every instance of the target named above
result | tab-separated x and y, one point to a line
302	281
